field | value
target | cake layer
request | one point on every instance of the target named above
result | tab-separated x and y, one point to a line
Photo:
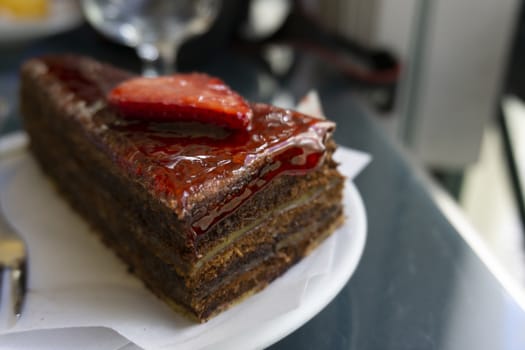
242	230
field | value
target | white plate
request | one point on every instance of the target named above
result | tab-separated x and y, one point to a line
63	15
227	331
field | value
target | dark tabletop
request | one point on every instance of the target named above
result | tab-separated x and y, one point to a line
418	285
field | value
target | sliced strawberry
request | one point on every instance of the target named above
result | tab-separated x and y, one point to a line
181	97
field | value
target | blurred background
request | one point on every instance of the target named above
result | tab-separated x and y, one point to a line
444	79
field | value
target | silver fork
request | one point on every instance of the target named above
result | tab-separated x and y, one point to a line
13	254
13	274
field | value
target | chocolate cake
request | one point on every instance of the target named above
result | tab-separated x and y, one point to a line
202	214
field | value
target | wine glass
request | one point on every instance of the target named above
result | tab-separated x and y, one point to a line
155	28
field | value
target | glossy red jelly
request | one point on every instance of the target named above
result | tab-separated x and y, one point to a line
179	160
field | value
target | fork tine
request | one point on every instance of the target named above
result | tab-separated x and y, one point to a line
19	285
12	290
7	298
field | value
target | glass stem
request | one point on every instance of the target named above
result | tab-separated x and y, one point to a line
159	58
168	51
149	55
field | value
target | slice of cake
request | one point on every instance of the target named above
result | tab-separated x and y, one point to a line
204	214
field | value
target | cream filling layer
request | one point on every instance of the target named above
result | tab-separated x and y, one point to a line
232	237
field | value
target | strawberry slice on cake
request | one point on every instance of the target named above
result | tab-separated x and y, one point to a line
181	97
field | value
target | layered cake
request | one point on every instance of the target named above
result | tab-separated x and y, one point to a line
207	198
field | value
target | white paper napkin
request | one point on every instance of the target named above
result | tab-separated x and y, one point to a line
77	282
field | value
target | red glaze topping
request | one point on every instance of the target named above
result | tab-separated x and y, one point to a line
179	161
181	97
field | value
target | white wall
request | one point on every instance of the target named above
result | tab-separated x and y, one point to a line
466	56
447	97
